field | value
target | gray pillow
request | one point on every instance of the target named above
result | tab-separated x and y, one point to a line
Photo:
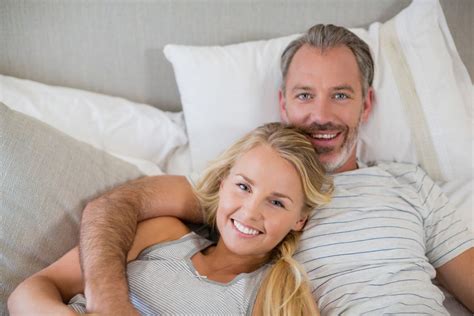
46	178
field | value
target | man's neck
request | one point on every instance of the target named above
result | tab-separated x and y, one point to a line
349	165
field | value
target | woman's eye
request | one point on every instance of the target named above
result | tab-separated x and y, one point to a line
243	187
278	203
304	96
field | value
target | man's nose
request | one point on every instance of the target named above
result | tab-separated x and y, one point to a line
321	111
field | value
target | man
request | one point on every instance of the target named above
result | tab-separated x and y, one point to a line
374	249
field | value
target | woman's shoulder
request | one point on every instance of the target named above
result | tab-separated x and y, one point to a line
164	227
156	230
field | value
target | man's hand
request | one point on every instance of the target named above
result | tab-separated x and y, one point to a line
108	228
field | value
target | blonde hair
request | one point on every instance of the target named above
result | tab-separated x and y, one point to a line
285	289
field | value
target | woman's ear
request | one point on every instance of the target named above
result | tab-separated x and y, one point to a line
300	223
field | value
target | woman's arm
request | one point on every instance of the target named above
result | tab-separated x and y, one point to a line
45	291
48	291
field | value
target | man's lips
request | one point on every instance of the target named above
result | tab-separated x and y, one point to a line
325	138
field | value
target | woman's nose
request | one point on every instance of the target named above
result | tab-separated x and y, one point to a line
252	208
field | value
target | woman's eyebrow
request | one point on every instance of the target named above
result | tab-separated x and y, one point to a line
246	178
282	196
278	194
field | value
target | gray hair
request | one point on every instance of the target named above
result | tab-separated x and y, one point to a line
329	36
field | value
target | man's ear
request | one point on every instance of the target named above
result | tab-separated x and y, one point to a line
300	223
282	103
368	104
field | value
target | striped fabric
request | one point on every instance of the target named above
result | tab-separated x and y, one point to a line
163	281
374	249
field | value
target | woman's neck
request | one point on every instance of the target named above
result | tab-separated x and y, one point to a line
219	264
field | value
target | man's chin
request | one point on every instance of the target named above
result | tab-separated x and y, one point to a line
330	165
334	158
324	151
332	162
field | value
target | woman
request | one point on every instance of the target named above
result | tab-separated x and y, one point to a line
259	194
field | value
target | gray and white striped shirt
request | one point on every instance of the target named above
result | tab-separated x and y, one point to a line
163	281
374	249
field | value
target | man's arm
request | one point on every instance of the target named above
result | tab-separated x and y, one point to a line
457	276
108	229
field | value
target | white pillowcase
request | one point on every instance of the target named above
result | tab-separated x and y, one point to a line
229	90
226	91
423	112
140	134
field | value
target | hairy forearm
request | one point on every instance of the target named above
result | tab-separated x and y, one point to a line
37	296
108	228
107	231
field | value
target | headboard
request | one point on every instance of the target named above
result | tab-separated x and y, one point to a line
115	47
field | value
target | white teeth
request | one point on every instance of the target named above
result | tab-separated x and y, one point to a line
324	136
244	229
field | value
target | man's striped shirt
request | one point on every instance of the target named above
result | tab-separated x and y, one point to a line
374	249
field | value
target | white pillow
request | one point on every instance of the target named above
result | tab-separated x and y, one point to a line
228	90
140	134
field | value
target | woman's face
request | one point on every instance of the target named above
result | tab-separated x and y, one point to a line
260	202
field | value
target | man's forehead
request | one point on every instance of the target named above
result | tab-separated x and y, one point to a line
337	87
335	67
340	55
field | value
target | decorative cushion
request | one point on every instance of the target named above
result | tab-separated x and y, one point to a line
138	133
46	178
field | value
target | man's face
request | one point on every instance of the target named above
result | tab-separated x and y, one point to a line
324	96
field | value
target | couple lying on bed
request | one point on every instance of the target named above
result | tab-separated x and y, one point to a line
375	248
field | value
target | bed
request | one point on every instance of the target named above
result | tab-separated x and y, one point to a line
94	93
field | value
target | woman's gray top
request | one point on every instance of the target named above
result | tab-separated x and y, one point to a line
163	281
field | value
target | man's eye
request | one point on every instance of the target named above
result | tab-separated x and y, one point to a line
341	96
278	203
303	96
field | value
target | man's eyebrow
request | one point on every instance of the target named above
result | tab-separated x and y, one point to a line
344	87
278	194
300	87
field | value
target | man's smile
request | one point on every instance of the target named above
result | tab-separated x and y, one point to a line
325	138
